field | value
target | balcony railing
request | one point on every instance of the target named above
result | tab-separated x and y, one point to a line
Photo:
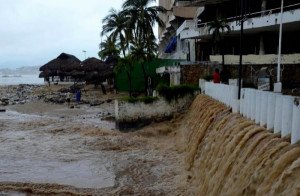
257	14
186	25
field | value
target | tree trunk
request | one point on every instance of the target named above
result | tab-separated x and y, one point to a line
103	88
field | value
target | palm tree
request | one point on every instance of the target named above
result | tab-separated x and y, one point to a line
108	48
116	25
218	28
142	19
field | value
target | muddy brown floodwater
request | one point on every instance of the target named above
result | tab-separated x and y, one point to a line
229	155
51	149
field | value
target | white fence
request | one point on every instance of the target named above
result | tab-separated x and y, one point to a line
279	113
224	93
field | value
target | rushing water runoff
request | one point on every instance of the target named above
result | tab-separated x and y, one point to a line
230	155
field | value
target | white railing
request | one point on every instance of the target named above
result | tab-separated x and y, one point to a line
278	113
224	93
264	19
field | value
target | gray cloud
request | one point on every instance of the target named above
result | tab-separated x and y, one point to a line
33	32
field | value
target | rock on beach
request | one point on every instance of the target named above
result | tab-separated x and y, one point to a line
17	94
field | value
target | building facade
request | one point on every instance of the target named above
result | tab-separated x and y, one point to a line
195	40
170	44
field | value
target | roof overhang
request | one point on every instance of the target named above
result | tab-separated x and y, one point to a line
185	12
205	2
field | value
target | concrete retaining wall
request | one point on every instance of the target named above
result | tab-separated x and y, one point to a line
134	115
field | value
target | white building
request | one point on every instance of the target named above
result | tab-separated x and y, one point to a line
178	13
261	32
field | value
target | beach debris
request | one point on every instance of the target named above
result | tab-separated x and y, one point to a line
19	94
4	102
96	103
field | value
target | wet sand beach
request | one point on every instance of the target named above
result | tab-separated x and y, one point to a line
53	149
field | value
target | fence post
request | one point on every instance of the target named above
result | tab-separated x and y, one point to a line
248	103
278	114
245	102
271	110
257	108
264	108
242	101
253	105
227	95
287	115
235	104
202	85
296	121
206	91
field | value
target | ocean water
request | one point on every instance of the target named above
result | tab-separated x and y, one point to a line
20	79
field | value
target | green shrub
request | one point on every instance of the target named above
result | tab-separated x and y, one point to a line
208	77
175	92
146	100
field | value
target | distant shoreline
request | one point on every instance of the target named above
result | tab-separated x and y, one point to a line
16	79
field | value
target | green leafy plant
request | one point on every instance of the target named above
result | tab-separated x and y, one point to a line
175	92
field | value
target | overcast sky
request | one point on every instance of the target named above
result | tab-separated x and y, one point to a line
33	32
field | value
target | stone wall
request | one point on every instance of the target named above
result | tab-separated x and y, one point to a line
190	74
135	115
267	59
290	74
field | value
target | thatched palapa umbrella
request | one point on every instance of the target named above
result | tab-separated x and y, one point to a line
47	73
63	65
97	71
98	68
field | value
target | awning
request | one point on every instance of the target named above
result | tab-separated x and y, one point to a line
185	12
171	45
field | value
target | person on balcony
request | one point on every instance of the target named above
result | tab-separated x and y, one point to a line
225	75
216	76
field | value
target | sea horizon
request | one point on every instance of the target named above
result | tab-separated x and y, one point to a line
16	79
20	75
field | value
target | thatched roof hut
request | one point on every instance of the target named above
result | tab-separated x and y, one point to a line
47	73
63	63
97	67
91	70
